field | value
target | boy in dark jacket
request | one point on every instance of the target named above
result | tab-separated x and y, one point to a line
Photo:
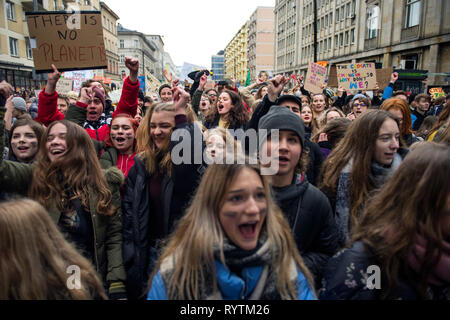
305	207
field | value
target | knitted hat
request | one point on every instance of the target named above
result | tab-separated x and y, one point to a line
330	93
19	104
282	118
98	93
359	96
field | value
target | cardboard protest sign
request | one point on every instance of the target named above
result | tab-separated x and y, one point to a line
384	77
356	76
69	41
64	85
437	92
332	78
315	77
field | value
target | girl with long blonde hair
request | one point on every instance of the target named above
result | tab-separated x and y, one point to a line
232	243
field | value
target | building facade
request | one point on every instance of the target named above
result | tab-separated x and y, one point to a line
236	56
109	20
404	34
136	44
16	54
218	66
159	55
260	52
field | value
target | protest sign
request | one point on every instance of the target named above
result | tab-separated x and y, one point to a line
437	92
384	77
78	78
332	78
315	78
356	76
64	86
69	41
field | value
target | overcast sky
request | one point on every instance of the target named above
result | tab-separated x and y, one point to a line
192	30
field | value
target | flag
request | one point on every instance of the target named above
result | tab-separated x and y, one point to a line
247	83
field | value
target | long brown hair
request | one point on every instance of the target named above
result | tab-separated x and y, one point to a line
357	145
72	176
154	158
236	116
36	257
402	105
444	117
199	230
412	202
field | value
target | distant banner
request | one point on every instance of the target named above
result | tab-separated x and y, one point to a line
64	85
356	76
70	41
315	78
437	92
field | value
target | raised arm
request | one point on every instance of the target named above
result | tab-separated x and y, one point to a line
48	100
129	99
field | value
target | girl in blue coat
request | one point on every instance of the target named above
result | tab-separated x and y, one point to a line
232	243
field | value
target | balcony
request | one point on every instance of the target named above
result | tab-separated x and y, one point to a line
410	33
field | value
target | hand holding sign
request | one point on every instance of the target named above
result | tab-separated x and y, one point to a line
52	80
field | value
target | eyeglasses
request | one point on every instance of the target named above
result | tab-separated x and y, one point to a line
212	95
359	105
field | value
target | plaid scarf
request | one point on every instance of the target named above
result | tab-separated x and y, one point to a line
238	259
97	124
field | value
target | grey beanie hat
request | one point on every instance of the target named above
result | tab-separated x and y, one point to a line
19	104
282	118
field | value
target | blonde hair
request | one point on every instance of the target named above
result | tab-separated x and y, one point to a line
191	244
230	142
154	158
35	257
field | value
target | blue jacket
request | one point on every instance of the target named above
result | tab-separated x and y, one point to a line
231	286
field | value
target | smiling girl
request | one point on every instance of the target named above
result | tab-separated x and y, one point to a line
24	139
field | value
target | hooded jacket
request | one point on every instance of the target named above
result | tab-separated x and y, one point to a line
311	218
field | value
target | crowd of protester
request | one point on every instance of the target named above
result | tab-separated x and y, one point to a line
360	182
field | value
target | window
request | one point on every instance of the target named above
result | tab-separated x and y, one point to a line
326	21
352	36
87	2
104	21
136	43
10	11
325	43
372	22
122	58
122	44
55	4
336	41
343	13
346	38
341	40
337	15
29	50
412	13
13	47
348	9
353	7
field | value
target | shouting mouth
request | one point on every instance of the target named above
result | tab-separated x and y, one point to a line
248	230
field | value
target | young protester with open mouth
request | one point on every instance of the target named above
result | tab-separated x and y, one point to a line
305	207
24	139
81	199
233	243
405	232
363	161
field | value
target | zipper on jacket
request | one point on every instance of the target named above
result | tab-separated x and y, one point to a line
95	243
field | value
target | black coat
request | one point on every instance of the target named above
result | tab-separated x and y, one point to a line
310	216
346	273
140	247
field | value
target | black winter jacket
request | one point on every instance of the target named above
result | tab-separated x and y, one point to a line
140	248
346	278
310	216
